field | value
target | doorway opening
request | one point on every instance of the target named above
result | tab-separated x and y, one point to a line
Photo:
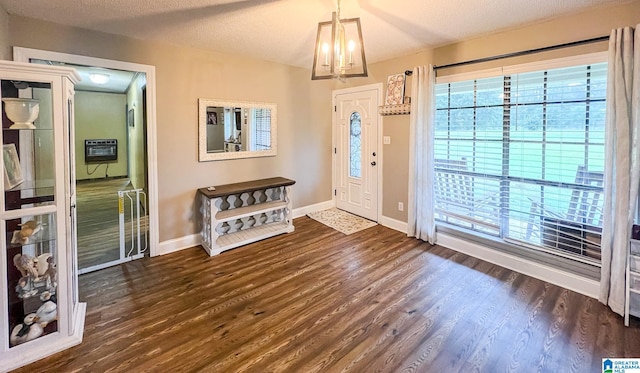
115	186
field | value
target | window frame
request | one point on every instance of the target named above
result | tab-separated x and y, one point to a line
572	263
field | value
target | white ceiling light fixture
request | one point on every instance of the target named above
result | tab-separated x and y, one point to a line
339	49
99	78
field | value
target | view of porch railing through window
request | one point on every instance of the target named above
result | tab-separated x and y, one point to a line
521	157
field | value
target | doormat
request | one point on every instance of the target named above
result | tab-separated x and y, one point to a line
341	221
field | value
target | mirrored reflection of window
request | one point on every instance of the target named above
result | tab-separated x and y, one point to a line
230	130
355	145
262	130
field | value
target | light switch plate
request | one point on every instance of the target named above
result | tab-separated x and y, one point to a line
386	140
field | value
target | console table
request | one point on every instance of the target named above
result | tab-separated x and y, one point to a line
237	214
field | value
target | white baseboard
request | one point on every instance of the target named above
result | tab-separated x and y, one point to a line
178	244
563	279
304	210
393	224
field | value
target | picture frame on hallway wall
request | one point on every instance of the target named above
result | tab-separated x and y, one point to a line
130	118
212	118
395	89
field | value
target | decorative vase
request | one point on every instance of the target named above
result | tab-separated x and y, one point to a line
22	112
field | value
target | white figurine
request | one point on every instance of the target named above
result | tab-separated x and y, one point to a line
26	264
28	330
28	229
42	263
47	313
25	287
51	273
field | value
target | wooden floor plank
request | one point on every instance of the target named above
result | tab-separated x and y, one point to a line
316	300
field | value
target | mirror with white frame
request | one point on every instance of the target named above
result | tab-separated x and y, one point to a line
236	129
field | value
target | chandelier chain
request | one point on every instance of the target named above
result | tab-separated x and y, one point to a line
338	9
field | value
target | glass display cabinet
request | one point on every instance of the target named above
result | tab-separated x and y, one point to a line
39	308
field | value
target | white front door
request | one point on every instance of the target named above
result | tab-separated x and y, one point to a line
356	118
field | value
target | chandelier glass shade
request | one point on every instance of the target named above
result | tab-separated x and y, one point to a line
339	50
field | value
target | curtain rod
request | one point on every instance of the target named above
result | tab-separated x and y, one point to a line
523	53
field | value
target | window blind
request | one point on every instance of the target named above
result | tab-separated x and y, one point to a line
521	157
262	134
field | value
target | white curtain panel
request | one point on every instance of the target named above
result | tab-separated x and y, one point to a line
622	162
421	221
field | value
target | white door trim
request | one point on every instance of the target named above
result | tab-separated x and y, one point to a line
334	121
21	54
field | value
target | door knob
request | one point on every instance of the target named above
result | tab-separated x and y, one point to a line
373	163
374	154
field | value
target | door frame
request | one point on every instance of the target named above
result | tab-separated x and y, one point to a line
22	54
334	143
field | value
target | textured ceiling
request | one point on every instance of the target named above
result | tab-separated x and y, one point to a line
284	30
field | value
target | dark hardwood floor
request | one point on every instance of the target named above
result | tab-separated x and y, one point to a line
318	301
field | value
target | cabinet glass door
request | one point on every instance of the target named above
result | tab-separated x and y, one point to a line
32	277
30	212
27	144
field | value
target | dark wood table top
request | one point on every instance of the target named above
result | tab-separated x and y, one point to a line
247	186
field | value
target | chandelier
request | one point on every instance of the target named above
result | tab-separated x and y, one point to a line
339	49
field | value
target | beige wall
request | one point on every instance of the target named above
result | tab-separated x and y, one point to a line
586	25
395	155
100	115
185	74
5	51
